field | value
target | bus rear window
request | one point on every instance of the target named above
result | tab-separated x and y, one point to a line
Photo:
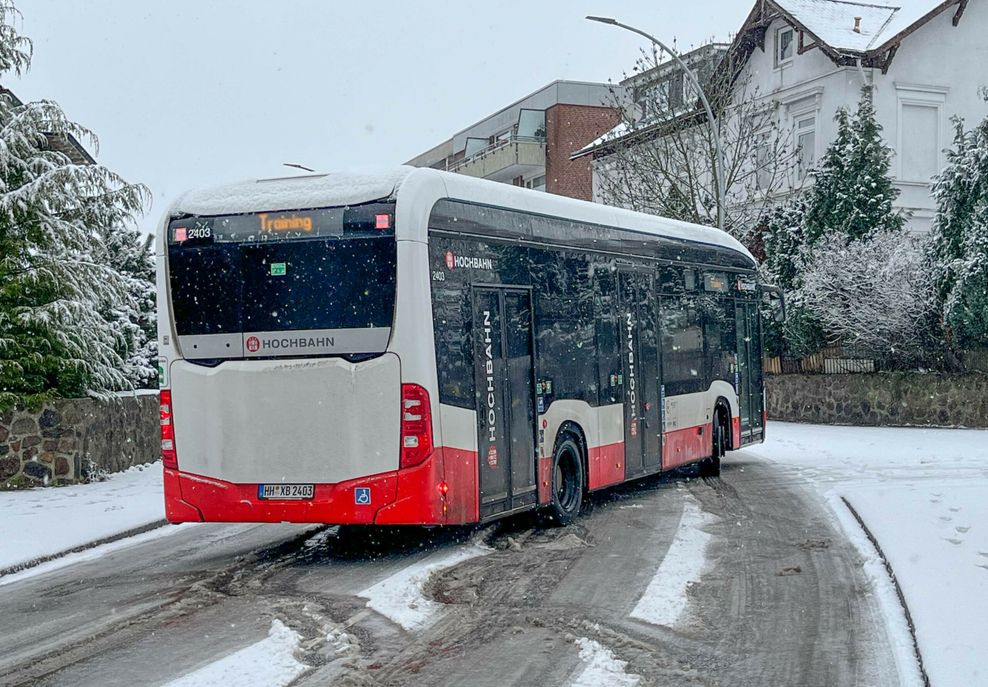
329	279
206	289
319	284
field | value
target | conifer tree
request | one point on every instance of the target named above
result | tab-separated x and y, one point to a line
134	320
784	238
958	249
853	194
54	288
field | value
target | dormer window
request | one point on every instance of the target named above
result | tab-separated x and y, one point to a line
784	39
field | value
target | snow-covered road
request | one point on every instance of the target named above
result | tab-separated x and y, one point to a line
779	585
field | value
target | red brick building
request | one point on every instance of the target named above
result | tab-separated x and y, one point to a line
529	143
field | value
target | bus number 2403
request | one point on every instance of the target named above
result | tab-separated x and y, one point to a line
438	275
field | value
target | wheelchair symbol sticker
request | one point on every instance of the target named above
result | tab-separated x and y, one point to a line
361	496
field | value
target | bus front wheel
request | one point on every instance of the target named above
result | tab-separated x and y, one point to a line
710	467
567	482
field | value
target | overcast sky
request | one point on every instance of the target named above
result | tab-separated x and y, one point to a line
187	93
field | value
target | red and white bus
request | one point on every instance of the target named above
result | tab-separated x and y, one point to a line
417	347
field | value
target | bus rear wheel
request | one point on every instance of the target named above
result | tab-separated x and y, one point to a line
567	482
710	467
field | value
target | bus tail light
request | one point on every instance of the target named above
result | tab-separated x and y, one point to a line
169	458
416	425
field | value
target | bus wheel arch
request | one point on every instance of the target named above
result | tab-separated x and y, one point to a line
722	416
720	438
568	474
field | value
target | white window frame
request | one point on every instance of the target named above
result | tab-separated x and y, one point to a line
934	97
779	60
797	131
800	106
763	146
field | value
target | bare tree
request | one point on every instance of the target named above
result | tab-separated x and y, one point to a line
661	158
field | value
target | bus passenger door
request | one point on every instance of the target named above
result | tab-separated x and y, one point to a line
638	339
749	372
503	344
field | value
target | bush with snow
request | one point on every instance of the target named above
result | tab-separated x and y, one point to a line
873	294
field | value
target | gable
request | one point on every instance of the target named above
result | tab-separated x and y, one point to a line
845	31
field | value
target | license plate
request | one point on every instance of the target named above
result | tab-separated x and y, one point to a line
285	491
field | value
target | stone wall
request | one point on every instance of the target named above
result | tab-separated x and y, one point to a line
893	398
67	440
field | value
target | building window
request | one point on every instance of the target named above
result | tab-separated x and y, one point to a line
763	161
784	39
920	151
531	125
676	94
536	183
920	142
805	143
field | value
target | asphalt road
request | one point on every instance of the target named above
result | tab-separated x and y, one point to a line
783	600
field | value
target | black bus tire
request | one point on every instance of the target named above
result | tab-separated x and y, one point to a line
568	481
710	467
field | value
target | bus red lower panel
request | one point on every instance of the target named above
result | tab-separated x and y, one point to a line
462	491
442	490
192	498
685	446
606	466
420	499
544	479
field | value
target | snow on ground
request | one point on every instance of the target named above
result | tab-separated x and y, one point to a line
665	598
400	596
923	493
602	669
35	523
89	554
883	587
269	662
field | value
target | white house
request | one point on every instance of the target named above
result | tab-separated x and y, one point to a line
927	61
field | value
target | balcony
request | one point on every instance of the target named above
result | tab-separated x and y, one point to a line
505	159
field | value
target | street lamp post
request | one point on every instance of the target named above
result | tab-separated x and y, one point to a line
719	166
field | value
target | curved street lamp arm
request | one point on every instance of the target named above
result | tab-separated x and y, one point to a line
719	170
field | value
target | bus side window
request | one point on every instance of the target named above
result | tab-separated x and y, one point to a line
608	359
682	346
719	338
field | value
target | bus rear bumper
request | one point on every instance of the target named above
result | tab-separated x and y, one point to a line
193	498
409	496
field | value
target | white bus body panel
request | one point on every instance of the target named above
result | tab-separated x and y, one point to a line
295	421
686	411
412	336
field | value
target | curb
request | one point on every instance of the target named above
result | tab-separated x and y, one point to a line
898	589
82	547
